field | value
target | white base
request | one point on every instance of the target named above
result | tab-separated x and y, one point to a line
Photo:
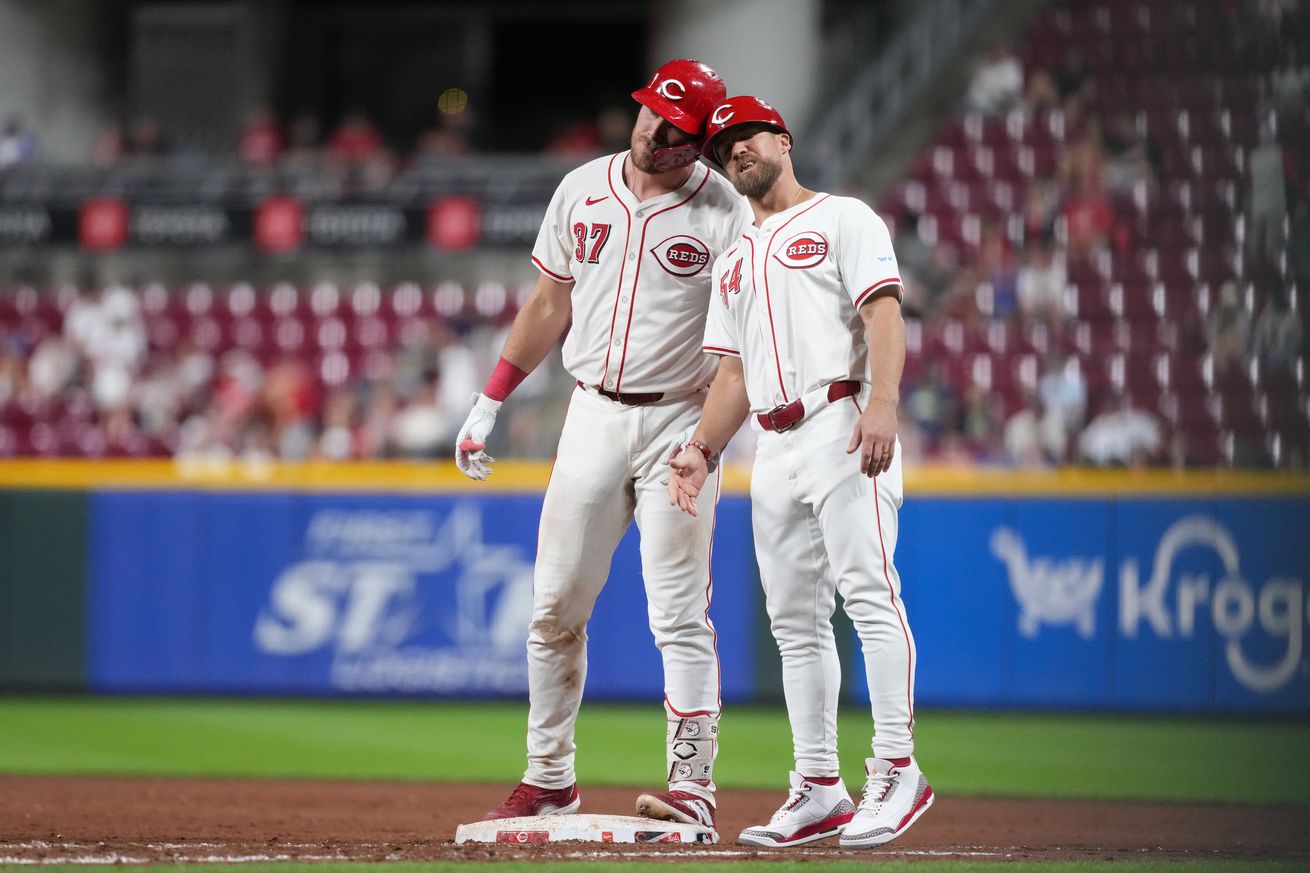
585	828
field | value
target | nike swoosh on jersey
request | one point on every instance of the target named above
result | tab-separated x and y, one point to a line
593	202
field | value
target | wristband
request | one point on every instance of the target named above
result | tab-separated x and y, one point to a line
711	459
504	379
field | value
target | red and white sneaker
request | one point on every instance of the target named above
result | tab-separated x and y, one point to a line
528	799
894	798
681	806
812	812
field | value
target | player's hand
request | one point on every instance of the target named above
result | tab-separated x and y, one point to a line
689	474
470	445
875	437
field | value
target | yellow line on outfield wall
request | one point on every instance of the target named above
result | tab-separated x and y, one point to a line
440	477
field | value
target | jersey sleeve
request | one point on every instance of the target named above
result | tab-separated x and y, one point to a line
720	327
865	256
553	252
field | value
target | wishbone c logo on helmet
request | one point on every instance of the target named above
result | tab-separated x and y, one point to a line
666	89
682	92
736	111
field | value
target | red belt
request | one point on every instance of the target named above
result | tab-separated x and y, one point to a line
627	399
788	415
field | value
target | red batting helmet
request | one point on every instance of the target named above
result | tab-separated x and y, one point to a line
739	110
683	92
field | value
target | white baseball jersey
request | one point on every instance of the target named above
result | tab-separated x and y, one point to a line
788	297
642	274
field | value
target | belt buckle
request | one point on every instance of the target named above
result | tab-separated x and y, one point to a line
777	410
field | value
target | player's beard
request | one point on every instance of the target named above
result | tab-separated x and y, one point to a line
643	153
760	178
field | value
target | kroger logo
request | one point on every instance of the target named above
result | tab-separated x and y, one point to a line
1170	603
1049	592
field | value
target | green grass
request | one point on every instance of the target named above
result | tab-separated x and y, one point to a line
766	866
1015	754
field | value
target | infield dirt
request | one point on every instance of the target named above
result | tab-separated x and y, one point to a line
154	820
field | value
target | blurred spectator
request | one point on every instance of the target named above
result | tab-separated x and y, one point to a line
147	139
997	83
338	441
980	421
108	331
450	137
1121	436
289	403
1073	80
304	133
1127	153
930	404
1000	272
1290	83
1063	390
1088	217
422	429
1228	330
261	140
110	144
1041	282
926	271
580	139
1041	208
52	367
1267	201
1277	337
17	146
1034	437
355	140
13	372
1042	94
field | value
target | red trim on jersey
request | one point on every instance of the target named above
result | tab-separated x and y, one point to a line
623	265
553	462
556	276
768	302
909	650
641	247
709	593
716	350
859	301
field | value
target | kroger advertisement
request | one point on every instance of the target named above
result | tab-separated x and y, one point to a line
1128	603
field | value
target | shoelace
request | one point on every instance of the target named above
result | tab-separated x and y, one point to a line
876	789
795	798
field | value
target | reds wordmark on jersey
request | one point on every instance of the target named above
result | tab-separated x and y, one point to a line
788	294
641	271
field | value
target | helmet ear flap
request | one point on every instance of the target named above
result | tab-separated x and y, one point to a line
676	157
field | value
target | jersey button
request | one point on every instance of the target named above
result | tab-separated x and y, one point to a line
624	298
618	343
632	257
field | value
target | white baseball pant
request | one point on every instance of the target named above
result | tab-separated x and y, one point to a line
611	467
822	527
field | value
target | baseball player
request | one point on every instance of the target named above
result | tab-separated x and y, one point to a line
625	252
806	323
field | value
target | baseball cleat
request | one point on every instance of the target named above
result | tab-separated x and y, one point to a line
894	798
527	800
812	812
682	806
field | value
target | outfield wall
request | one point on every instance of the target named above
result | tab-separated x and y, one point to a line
1090	591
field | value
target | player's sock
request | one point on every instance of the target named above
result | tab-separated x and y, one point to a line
822	780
